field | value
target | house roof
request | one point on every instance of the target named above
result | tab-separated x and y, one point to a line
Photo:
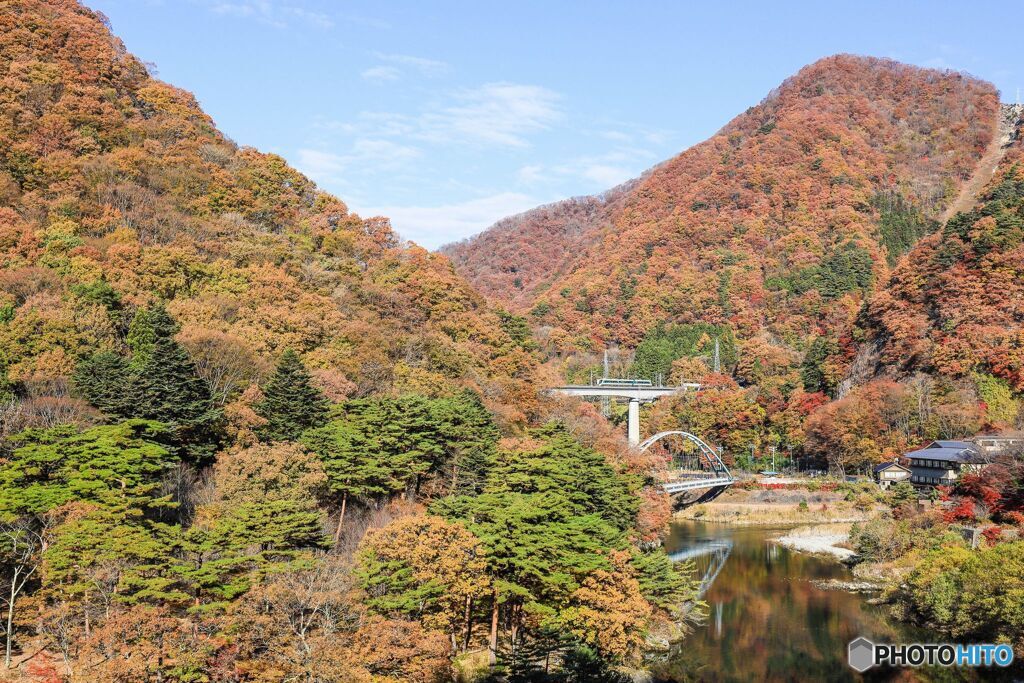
950	444
886	465
962	453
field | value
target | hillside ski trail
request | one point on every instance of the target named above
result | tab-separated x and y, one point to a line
1006	124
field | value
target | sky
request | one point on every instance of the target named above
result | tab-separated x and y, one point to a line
446	116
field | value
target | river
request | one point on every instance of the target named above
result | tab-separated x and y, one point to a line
767	621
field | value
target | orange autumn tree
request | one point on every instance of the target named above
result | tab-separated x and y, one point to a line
428	568
609	611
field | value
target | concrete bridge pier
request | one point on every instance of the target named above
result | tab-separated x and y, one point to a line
634	391
633	422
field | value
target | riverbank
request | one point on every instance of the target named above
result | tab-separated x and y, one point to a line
819	539
768	507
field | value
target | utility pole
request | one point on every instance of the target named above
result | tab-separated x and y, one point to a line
606	403
717	362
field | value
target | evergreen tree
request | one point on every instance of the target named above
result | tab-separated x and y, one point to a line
353	462
813	370
242	537
471	439
518	329
113	553
848	268
665	344
403	433
377	447
663	582
149	325
291	403
105	381
548	517
578	474
168	389
159	383
114	465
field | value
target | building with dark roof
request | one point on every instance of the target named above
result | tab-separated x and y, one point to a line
941	462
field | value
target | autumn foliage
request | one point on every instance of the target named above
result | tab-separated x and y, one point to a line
772	224
952	307
117	190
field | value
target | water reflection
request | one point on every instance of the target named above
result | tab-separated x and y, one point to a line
708	556
766	619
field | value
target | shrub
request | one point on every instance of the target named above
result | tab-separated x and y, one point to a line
864	502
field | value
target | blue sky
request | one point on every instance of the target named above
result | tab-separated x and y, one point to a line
447	116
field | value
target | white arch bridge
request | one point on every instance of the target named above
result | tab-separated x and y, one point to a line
701	468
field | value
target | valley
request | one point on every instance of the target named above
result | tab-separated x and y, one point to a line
712	423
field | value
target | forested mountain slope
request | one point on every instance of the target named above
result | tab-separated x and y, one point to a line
246	435
953	306
117	190
781	221
520	256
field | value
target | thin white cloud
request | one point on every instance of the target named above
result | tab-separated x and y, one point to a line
494	113
607	176
616	136
381	74
602	171
432	226
366	156
427	67
497	114
531	174
318	19
936	63
413	155
270	12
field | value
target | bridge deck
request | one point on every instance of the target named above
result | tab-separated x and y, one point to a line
639	393
680	485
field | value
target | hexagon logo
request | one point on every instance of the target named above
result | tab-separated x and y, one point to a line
862	654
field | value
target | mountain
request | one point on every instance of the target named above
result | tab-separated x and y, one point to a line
117	190
952	307
778	226
229	405
519	256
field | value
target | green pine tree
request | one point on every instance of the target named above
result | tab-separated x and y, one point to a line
580	475
158	383
353	461
89	543
113	465
149	325
104	380
291	404
471	439
167	388
663	582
